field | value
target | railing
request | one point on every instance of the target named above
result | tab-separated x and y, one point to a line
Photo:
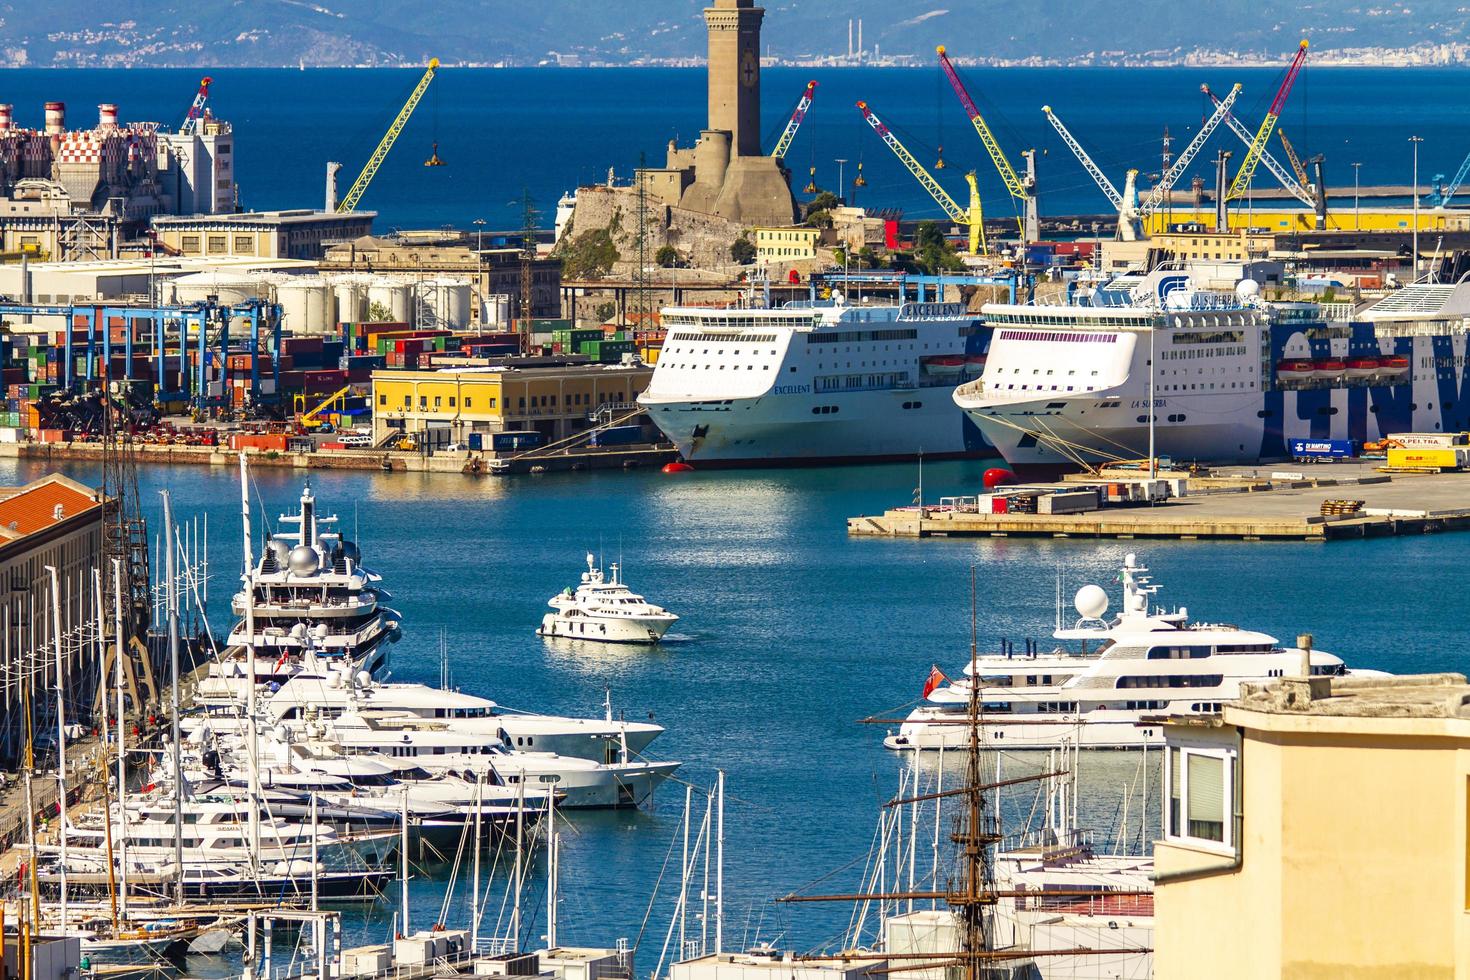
1103	903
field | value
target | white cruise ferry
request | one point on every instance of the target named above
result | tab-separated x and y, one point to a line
1145	662
1235	378
817	382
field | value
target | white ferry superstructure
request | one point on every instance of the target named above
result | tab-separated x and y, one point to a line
1234	379
817	382
1118	674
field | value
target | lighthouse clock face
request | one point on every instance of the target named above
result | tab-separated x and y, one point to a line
749	68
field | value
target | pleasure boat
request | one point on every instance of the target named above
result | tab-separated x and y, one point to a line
603	609
1115	682
309	581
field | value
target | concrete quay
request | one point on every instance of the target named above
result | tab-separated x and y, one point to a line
1260	506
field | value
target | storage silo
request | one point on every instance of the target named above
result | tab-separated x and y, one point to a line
307	304
394	296
226	288
350	292
447	301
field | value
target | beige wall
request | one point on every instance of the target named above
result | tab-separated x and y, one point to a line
1352	859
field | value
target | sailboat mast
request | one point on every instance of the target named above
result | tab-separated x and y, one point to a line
720	867
60	734
172	599
101	626
122	764
253	748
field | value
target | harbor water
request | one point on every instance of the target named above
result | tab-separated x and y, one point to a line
546	131
791	633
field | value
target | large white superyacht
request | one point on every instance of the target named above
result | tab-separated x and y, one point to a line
1234	378
1144	663
817	382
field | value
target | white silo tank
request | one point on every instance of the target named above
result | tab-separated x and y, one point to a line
350	292
495	312
306	305
448	300
227	289
395	296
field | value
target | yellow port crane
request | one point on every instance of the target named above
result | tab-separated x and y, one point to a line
1293	159
1023	189
370	170
974	218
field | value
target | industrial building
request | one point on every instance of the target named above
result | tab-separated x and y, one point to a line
58	522
299	234
495	272
70	194
554	398
792	244
123	279
1318	828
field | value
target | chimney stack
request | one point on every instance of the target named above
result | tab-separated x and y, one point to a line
107	115
6	109
860	39
55	118
849	39
1304	643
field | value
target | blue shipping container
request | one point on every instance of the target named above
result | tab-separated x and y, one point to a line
618	435
1323	448
509	441
477	441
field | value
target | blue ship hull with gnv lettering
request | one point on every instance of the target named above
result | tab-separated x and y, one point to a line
812	384
1232	386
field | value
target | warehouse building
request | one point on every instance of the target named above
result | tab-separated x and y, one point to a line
556	400
300	234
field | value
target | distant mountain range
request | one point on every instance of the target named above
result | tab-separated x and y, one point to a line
163	33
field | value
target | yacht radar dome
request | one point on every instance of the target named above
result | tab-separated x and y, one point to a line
1091	601
303	560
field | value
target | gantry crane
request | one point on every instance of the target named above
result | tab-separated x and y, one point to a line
1130	210
794	123
1022	189
1272	164
974	218
1253	155
360	185
196	111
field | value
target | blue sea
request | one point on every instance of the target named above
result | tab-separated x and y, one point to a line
507	131
791	633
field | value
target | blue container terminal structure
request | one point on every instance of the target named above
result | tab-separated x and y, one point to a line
169	330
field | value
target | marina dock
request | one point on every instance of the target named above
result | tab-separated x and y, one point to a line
1261	505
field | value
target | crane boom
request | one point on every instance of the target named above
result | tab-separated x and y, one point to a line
1156	196
360	185
1093	170
1454	185
196	111
1253	155
926	180
1272	164
1293	159
1014	184
794	123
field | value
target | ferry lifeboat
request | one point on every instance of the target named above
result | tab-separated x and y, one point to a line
1359	368
975	365
1393	366
1330	368
945	365
1295	370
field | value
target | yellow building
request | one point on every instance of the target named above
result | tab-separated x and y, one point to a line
1279	219
446	406
1234	246
1318	829
786	244
301	234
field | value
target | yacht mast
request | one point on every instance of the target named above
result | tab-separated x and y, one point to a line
101	626
172	598
253	736
60	735
720	867
122	764
475	893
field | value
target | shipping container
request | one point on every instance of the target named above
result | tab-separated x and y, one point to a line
618	435
1428	440
510	441
1448	458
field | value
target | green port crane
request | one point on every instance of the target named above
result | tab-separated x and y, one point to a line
1022	189
1263	135
974	218
370	170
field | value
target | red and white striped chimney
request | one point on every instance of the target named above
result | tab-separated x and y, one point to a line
55	118
5	115
107	115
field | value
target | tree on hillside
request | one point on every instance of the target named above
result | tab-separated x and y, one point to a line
742	250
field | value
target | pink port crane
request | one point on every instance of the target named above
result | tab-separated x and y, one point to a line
196	111
794	123
1263	135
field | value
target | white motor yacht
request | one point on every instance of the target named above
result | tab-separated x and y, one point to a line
603	609
1115	678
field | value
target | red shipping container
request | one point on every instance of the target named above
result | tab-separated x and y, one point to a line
999	505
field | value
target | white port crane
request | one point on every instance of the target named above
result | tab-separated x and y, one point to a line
1292	185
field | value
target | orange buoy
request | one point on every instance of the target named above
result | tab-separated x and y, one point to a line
678	466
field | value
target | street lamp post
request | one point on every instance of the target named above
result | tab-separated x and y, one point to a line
479	234
841	187
1416	140
1357	224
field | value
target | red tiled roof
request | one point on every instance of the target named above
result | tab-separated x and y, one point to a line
33	507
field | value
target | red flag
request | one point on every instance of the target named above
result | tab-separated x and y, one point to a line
936	677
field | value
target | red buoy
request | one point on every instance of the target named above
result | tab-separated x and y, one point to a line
678	467
997	477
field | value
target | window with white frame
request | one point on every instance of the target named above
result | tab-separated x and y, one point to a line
1201	794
